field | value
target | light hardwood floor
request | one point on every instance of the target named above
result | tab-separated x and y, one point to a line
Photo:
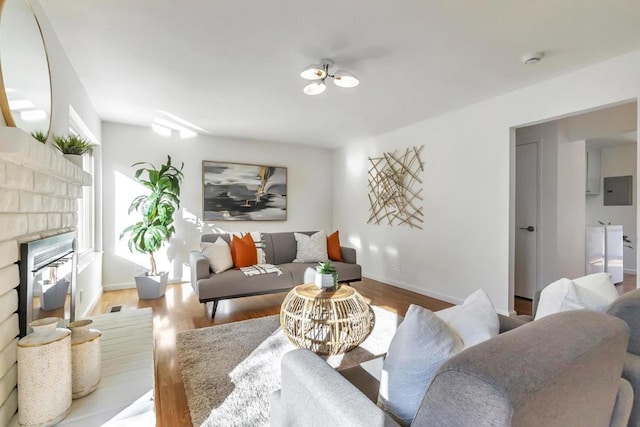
179	310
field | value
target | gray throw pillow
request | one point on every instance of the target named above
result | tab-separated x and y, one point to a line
311	248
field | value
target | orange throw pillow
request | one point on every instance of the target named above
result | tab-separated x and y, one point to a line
333	247
243	251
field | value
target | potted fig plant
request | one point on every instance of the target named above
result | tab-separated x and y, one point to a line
326	276
156	226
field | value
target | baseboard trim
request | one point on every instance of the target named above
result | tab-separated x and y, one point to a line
93	304
408	287
132	285
426	292
119	286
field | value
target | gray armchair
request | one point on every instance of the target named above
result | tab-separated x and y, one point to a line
627	308
563	370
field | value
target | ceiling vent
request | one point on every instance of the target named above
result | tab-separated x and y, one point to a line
532	58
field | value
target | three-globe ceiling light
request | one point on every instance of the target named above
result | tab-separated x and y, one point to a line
318	73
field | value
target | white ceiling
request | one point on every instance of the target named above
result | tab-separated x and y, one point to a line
232	67
615	140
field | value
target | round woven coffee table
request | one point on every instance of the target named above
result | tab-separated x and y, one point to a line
325	322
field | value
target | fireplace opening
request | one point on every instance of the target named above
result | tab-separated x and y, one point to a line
47	279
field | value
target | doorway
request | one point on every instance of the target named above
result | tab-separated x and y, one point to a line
559	212
526	242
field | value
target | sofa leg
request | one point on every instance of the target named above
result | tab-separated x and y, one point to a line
215	307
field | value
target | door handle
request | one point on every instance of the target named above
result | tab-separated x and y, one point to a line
530	228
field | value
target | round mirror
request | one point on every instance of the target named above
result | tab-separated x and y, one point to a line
25	92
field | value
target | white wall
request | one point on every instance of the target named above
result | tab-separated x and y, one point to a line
570	261
65	84
309	199
469	159
619	160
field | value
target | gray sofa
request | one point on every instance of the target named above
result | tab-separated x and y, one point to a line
563	370
280	249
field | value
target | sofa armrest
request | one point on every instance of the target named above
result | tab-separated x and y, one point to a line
348	254
627	308
509	323
631	373
199	265
315	394
624	403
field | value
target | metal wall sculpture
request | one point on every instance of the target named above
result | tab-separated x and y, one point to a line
395	188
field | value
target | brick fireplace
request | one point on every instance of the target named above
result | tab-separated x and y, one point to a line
39	190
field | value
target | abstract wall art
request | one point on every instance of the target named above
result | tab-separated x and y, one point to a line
243	192
395	190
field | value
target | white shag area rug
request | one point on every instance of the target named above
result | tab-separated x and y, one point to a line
229	371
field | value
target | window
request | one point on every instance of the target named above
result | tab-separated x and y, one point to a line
86	229
86	208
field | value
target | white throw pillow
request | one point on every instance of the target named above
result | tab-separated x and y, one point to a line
420	345
599	283
551	298
579	298
219	255
476	320
311	248
447	313
565	295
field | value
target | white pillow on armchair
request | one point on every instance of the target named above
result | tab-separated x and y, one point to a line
423	342
592	292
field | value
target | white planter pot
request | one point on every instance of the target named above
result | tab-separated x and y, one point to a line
152	287
76	159
324	281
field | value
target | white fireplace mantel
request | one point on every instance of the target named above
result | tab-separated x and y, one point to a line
17	146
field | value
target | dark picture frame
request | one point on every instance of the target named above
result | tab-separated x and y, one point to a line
243	192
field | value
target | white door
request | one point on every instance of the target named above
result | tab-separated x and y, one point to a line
526	259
